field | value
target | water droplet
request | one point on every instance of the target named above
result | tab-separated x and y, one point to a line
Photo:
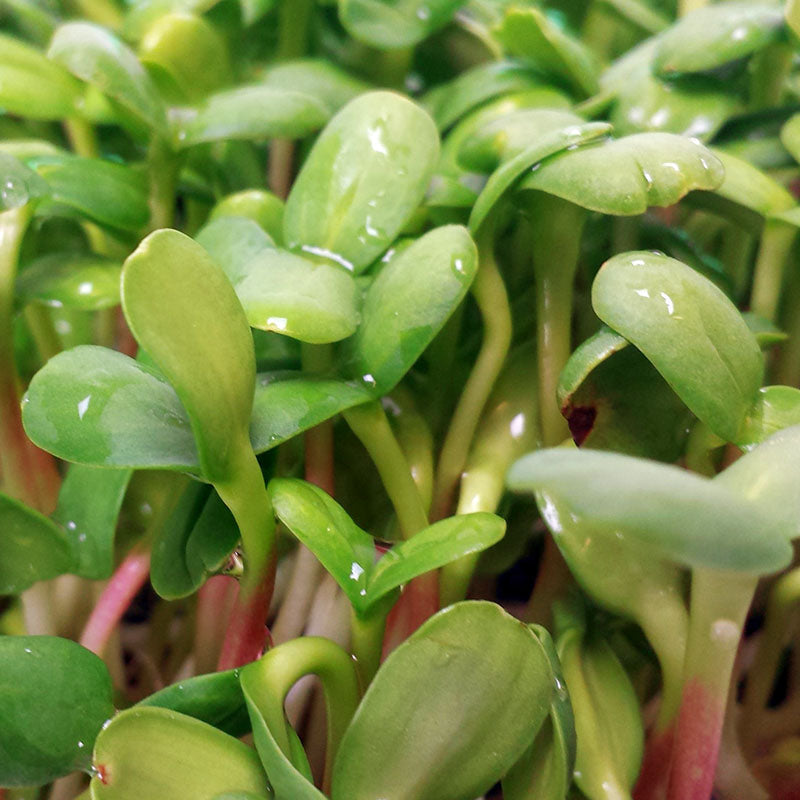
458	268
648	177
83	406
329	255
369	380
14	193
28	650
423	13
80	744
739	33
572	134
81	537
517	426
668	301
71	525
642	293
87	287
277	323
356	571
375	136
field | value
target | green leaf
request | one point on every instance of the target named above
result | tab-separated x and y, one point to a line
155	752
316	77
790	135
281	291
453	100
715	35
391	24
322	525
250	112
433	547
608	722
614	399
55	697
626	176
255	204
171	289
190	52
96	56
767	333
89	503
33	548
83	281
528	34
408	303
775	408
529	159
104	191
32	86
216	699
94	406
18	184
466	694
364	177
672	513
288	403
545	770
688	329
767	476
194	543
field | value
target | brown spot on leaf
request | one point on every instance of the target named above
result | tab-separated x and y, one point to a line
581	421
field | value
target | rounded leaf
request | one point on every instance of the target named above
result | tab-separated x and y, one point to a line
55	697
688	329
364	177
465	694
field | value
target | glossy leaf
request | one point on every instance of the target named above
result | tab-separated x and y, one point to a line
675	514
18	184
55	696
366	174
288	403
96	56
390	24
614	399
188	50
608	721
155	752
767	476
98	407
775	408
89	503
255	204
626	176
505	136
408	303
452	693
320	523
688	329
106	192
171	287
715	35
31	86
316	77
528	34
528	160
216	699
790	136
194	543
83	281
33	548
452	101
433	547
281	291
250	112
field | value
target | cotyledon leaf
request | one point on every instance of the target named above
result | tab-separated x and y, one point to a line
626	176
364	177
690	331
96	56
775	408
18	183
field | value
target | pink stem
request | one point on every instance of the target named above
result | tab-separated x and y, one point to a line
654	775
125	583
214	603
419	601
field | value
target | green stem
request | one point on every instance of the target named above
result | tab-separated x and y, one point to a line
271	678
368	422
490	294
43	331
82	137
366	642
163	166
783	598
557	227
768	72
776	241
719	605
294	18
736	254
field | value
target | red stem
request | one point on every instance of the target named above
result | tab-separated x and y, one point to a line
654	775
125	583
247	634
697	739
419	601
215	600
